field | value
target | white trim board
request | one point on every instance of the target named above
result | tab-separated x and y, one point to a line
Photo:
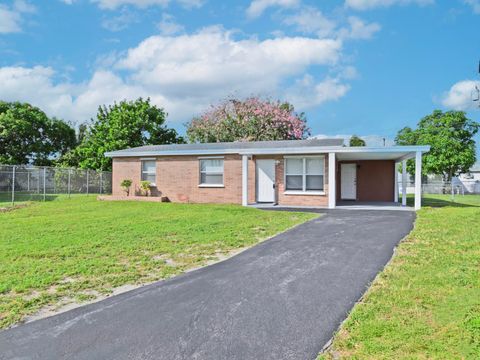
407	151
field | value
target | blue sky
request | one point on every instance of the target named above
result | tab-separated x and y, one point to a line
368	67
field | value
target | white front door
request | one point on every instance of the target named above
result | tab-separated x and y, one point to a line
265	180
348	186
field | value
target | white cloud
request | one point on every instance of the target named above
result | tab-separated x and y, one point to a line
461	95
370	4
24	6
348	73
475	4
114	4
168	25
35	85
105	87
185	73
359	29
310	20
120	22
9	20
257	7
307	92
11	17
189	4
211	60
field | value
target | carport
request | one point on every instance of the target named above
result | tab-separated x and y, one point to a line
366	177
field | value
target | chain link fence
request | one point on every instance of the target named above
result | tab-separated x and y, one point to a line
434	185
446	188
20	183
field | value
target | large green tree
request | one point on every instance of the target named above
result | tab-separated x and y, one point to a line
450	135
120	126
29	136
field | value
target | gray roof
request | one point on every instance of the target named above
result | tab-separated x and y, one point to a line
226	147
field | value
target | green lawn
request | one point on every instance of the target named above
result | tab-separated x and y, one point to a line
24	198
75	249
426	303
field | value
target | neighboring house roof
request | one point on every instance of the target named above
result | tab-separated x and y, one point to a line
475	167
263	147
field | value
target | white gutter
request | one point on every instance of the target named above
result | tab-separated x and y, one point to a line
169	153
272	151
335	149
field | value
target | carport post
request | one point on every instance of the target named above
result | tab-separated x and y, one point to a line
404	183
418	180
332	192
395	183
244	180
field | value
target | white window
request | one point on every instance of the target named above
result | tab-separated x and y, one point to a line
304	174
149	171
211	172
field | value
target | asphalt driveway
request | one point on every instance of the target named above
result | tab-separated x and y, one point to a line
281	299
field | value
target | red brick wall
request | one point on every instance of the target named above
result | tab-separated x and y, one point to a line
178	179
375	180
125	168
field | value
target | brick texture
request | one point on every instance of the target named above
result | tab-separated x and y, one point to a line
375	179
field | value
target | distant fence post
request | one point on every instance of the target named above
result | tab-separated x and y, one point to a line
69	171
101	184
44	183
13	185
87	181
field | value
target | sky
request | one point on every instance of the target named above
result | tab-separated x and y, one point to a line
365	67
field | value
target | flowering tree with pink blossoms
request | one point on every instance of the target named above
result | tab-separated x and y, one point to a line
251	119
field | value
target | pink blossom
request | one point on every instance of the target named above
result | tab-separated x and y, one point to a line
250	119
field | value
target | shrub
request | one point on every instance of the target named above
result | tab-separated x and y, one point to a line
145	187
126	184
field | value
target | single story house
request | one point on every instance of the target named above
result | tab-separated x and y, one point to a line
316	172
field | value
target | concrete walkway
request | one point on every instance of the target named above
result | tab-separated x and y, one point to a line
281	299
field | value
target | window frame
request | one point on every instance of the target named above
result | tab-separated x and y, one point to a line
144	172
200	172
304	174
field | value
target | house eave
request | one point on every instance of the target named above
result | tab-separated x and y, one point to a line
408	150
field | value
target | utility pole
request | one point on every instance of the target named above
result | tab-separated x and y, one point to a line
476	92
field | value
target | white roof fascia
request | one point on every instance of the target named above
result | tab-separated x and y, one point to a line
336	149
171	152
273	151
386	149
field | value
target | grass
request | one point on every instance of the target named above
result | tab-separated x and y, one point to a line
25	198
77	249
426	303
